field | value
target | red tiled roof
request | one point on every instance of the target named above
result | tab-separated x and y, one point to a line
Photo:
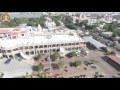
115	58
4	31
12	33
18	26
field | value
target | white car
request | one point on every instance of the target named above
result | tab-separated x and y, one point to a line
87	52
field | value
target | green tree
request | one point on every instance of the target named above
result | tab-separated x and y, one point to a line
42	75
40	67
72	54
1	75
57	23
56	19
77	63
84	22
71	26
39	56
110	26
42	21
61	65
55	55
68	22
36	58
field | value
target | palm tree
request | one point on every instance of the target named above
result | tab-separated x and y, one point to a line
61	65
78	63
40	67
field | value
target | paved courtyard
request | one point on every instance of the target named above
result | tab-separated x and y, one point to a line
18	68
15	68
74	71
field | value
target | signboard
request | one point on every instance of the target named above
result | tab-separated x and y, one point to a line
5	17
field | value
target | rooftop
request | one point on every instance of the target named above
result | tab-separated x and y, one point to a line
94	42
4	31
106	32
12	33
13	43
115	58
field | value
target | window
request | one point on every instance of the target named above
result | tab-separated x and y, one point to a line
21	48
15	49
31	47
26	47
77	43
40	46
36	46
61	44
45	46
9	51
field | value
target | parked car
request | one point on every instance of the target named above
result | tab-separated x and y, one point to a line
100	75
7	61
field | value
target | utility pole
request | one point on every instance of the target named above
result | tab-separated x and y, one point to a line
49	37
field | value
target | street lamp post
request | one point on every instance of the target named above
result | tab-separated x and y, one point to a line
49	37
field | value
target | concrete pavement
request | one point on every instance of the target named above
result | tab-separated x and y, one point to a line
15	68
104	66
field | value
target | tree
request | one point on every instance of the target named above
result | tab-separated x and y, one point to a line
112	52
57	23
42	75
42	21
110	26
71	26
39	56
61	65
36	58
116	32
84	22
56	19
55	55
40	67
72	54
77	63
68	22
1	74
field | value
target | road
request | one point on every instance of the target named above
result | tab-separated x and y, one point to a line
104	66
104	39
